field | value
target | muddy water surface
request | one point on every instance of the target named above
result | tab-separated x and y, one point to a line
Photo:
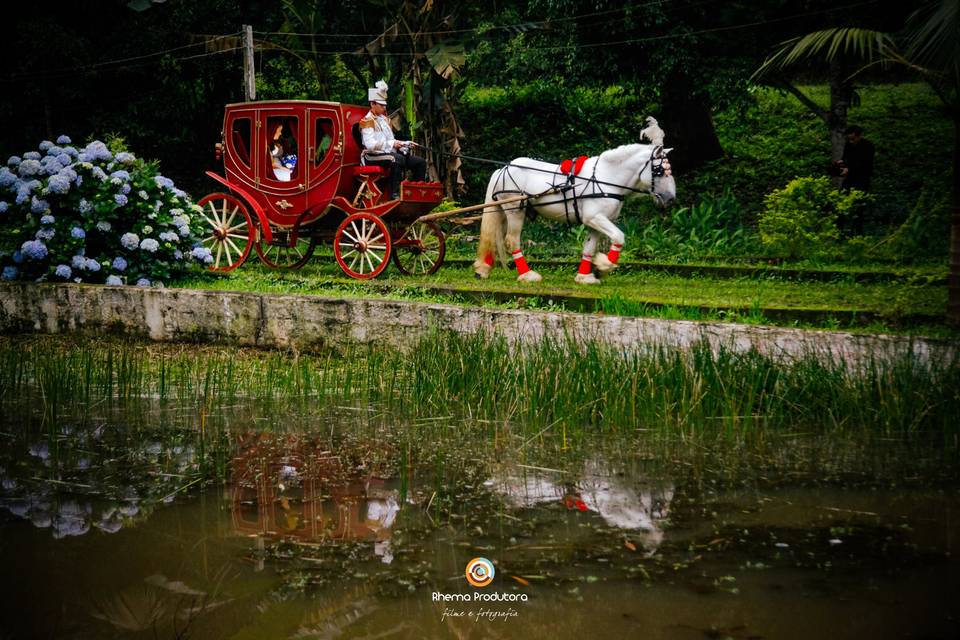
107	530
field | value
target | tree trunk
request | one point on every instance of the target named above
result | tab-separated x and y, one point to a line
689	125
953	279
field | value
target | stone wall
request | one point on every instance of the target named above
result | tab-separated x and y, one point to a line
314	322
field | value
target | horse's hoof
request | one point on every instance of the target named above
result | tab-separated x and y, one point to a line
530	276
477	276
586	278
603	264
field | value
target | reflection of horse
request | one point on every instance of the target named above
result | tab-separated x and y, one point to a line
620	502
588	192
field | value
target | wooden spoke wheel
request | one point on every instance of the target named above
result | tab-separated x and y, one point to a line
362	246
421	250
287	250
231	230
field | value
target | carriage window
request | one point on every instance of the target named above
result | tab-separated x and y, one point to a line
323	138
240	139
282	149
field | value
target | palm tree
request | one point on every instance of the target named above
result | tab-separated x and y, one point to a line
928	46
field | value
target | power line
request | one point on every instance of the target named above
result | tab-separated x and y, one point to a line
121	61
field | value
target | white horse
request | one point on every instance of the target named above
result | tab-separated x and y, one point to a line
592	197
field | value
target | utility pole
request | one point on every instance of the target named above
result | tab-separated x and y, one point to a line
249	74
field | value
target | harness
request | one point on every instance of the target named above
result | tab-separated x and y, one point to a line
565	181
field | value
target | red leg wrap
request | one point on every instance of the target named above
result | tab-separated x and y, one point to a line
488	259
586	265
614	254
521	262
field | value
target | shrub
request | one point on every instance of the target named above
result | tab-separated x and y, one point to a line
802	217
710	227
96	214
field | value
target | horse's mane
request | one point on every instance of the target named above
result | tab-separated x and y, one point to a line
623	152
652	132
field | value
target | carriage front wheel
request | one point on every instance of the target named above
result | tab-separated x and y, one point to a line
362	246
421	250
230	230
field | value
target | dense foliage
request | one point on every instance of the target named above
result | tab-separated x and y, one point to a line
804	216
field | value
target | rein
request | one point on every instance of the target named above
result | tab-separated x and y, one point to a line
654	172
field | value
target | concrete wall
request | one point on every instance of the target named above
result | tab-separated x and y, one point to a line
315	322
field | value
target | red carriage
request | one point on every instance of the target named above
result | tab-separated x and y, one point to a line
321	192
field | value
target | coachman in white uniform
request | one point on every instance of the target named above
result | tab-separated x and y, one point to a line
381	148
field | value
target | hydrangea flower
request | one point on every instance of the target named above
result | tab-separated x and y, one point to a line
178	255
147	229
180	193
169	236
18	257
120	199
51	165
201	254
64	158
78	262
163	182
125	189
63	140
119	177
78	233
97	150
58	184
70	151
143	282
143	195
99	174
92	265
149	244
114	281
130	241
13	161
63	271
10	273
125	158
104	226
119	264
46	144
7	178
54	150
31	155
48	219
4	206
30	168
45	234
39	206
85	207
68	173
34	250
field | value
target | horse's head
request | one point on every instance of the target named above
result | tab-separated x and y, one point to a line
663	188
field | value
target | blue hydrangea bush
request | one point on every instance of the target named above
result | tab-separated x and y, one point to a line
94	214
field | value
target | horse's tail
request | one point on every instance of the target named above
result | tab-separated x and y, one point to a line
491	243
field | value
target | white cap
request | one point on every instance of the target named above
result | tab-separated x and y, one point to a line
378	93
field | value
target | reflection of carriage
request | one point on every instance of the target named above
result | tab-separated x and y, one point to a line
320	192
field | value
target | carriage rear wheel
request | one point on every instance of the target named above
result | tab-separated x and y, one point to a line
362	246
231	230
421	251
287	250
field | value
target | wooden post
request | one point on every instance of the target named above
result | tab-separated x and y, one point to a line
249	71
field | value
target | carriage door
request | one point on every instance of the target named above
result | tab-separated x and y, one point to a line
239	163
282	166
323	152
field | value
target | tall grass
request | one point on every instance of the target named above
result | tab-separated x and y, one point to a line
573	388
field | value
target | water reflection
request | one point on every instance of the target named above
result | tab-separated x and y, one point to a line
291	486
621	500
84	479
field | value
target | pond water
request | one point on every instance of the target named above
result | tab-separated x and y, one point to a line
347	530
